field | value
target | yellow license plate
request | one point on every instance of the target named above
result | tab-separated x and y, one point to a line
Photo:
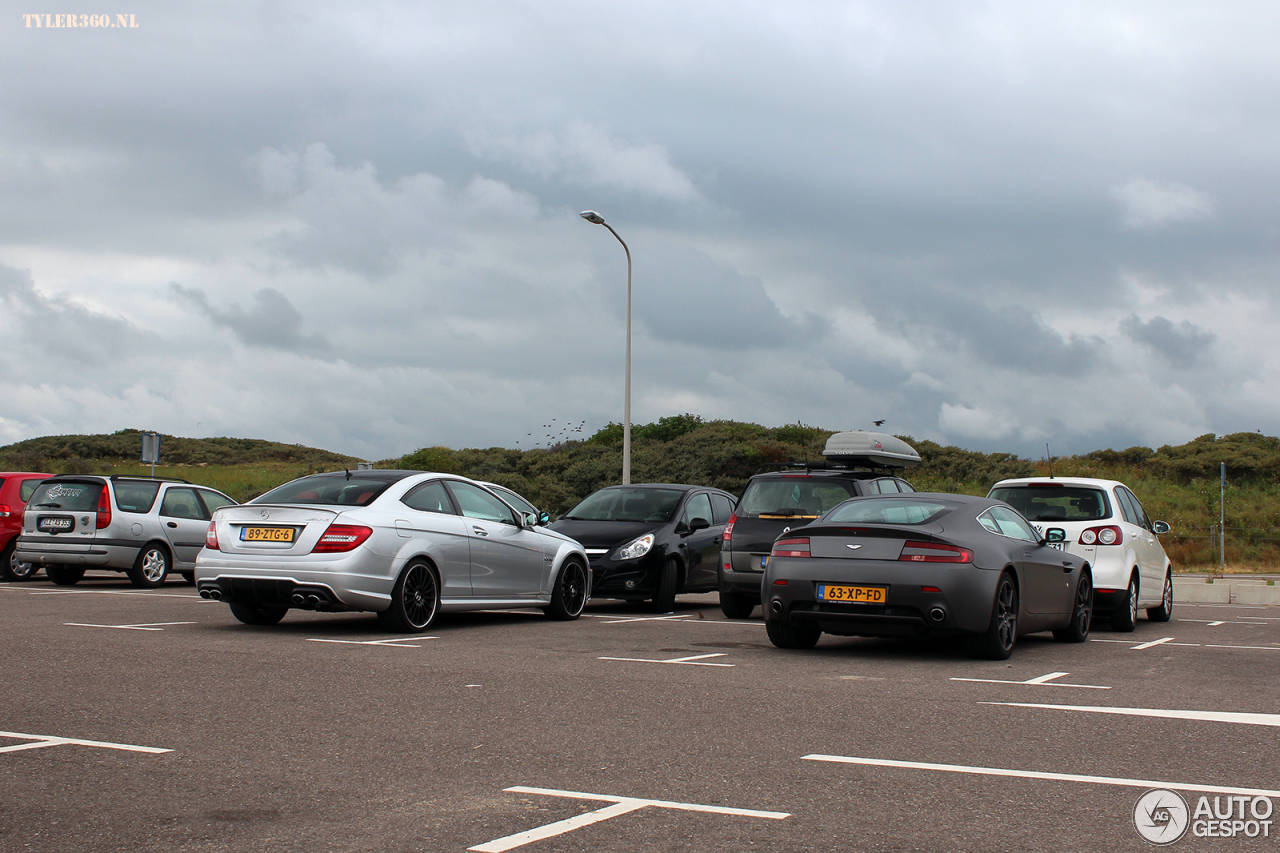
852	594
267	534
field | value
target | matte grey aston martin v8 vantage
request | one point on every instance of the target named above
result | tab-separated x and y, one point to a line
921	565
403	544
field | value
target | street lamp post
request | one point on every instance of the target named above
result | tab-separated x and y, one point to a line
596	219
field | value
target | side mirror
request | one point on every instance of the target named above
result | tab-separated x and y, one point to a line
544	517
1055	534
528	520
1160	527
698	524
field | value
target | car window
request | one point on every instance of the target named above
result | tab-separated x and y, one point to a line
870	487
722	507
180	503
1138	512
904	486
136	496
791	497
1011	524
887	510
888	486
429	497
475	502
515	500
214	501
627	504
1055	503
1126	507
76	497
336	489
699	506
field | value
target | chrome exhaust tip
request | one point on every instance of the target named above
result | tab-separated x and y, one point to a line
937	614
215	594
313	601
776	606
298	599
205	594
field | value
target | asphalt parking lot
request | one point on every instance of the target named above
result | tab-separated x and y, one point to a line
153	721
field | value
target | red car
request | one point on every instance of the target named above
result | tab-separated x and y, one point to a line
15	488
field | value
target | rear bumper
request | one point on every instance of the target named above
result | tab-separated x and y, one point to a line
350	582
49	551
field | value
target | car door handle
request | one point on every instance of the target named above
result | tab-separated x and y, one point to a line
480	531
1067	567
172	523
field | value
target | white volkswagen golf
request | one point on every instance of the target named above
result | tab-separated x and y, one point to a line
1103	522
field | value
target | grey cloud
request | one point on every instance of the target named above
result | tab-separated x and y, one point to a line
272	322
1182	344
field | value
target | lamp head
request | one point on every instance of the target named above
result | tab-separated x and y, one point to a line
592	217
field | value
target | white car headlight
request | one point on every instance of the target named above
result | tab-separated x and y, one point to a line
635	548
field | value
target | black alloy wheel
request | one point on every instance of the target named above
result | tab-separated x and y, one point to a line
414	600
997	642
570	593
1081	613
664	597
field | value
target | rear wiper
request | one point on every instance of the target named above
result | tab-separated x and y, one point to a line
55	506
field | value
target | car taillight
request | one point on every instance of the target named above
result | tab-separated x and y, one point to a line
1109	535
728	529
934	552
342	537
104	509
790	548
211	537
5	512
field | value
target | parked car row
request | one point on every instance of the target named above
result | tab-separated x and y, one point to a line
845	546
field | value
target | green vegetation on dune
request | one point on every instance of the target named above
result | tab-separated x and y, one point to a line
1178	484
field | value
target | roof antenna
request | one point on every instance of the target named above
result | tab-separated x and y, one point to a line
1049	456
348	470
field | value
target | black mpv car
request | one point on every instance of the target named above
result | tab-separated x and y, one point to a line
776	502
652	541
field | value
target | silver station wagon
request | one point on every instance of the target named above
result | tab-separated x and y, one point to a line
405	545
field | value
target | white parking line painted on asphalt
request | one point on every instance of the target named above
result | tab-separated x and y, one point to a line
1272	648
1159	642
1049	680
692	660
42	741
619	620
1168	714
142	626
621	806
393	642
1036	774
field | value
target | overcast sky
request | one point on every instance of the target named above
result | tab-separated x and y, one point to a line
355	226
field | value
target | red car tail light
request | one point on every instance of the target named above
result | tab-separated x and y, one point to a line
798	547
728	530
104	509
5	512
342	537
1107	535
934	552
211	537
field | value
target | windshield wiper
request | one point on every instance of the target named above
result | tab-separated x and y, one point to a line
55	506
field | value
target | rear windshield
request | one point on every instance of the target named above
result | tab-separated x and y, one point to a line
656	505
1055	503
75	497
136	496
791	497
888	511
330	491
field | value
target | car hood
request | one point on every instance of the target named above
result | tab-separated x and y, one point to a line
603	534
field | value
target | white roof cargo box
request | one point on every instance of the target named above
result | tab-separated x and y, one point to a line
870	448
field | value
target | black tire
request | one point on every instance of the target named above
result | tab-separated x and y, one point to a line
11	569
664	596
1164	612
1081	613
189	577
786	636
415	600
570	593
1002	633
256	614
64	575
151	569
1125	617
735	605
